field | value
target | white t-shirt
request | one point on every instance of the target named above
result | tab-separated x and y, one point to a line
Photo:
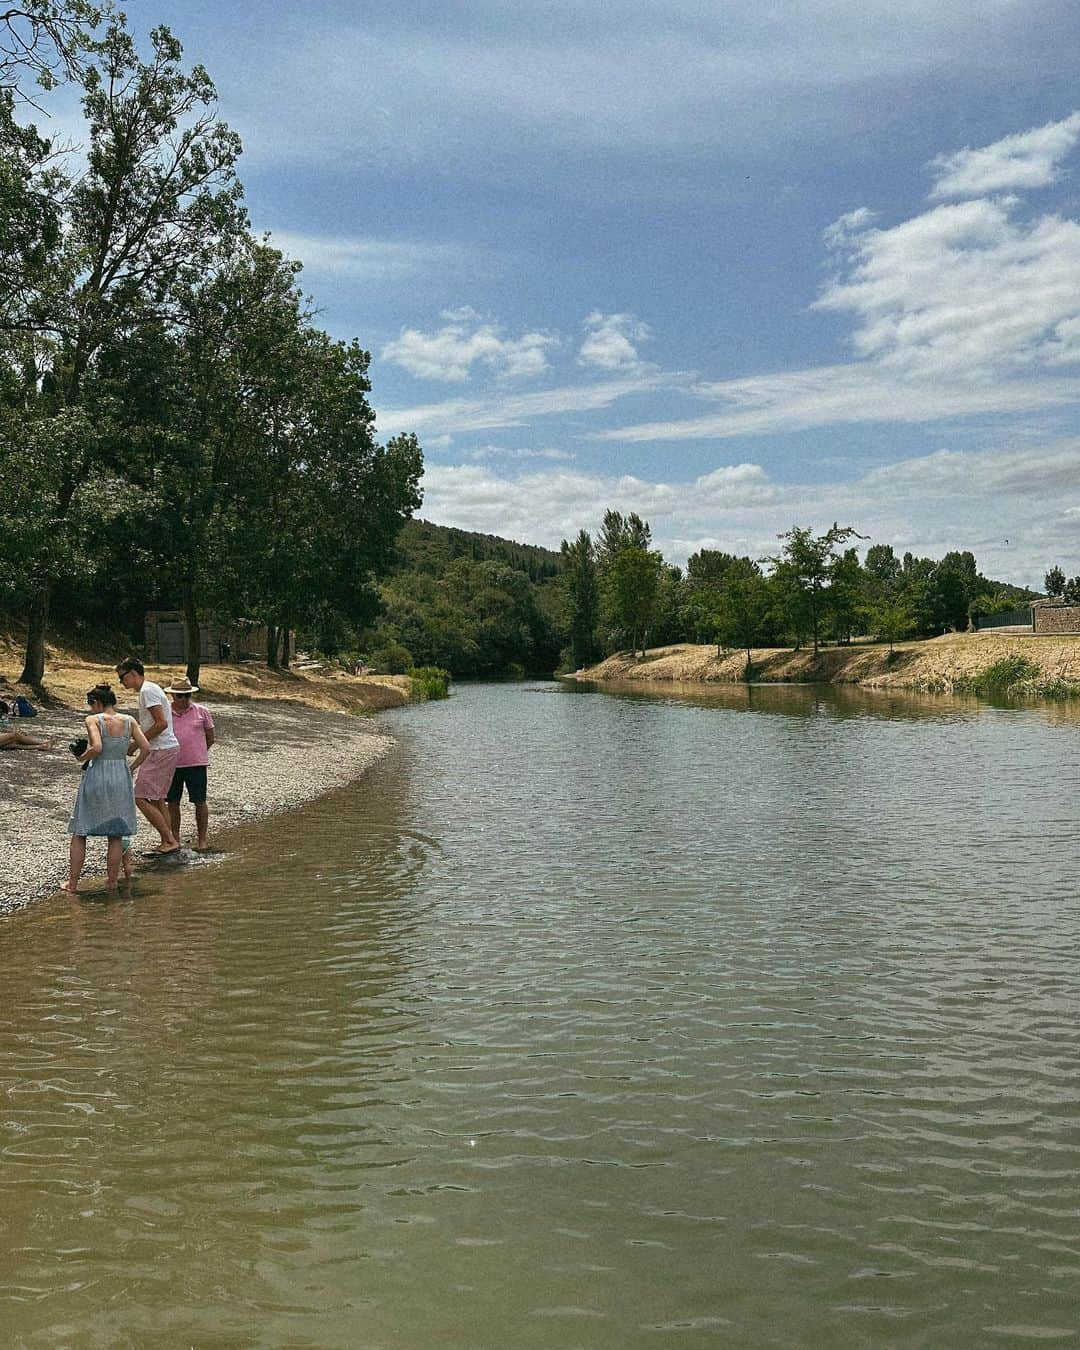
152	695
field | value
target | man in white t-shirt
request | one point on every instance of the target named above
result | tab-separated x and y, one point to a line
155	777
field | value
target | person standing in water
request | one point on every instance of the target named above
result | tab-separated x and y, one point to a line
105	804
194	728
156	775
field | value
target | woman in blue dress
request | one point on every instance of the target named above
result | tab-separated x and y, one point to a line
105	804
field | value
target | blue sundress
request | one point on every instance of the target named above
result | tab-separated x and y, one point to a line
106	800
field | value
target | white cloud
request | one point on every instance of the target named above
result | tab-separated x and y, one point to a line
1029	159
843	395
964	290
610	339
1029	496
967	309
363	259
486	452
838	234
451	353
639	77
461	415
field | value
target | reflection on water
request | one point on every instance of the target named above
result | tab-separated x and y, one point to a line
582	1021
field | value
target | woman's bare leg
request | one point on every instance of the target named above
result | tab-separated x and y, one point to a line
76	858
113	858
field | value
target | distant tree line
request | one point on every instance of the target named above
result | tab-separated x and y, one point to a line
175	430
484	607
618	593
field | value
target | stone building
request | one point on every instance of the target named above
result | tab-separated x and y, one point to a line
1052	617
166	639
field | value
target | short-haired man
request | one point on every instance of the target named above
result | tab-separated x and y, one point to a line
154	779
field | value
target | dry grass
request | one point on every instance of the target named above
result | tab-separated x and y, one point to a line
939	663
68	676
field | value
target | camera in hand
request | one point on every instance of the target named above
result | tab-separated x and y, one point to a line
78	746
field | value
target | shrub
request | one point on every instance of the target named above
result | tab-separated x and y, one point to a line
1011	675
393	659
428	682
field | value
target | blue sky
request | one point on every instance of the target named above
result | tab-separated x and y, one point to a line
731	265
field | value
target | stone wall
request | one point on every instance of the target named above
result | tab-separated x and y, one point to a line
1057	618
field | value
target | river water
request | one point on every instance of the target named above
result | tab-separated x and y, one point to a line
745	1017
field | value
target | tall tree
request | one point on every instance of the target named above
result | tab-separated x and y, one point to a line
743	609
158	197
581	597
617	532
629	588
807	561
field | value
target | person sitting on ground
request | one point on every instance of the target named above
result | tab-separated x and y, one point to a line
155	776
10	739
105	804
194	729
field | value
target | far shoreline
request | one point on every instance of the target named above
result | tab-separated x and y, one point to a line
1043	666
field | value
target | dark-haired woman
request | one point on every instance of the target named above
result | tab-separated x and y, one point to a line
105	804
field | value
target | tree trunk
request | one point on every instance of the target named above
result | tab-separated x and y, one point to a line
191	633
285	646
33	671
271	645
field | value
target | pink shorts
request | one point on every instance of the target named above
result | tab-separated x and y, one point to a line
154	778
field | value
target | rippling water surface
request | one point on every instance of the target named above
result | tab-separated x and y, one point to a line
744	1018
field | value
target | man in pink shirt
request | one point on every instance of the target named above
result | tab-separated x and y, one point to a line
194	729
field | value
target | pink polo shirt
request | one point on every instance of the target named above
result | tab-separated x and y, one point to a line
190	728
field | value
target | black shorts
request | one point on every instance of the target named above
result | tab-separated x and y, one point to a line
194	779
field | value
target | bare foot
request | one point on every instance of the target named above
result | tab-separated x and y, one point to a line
201	845
66	886
167	848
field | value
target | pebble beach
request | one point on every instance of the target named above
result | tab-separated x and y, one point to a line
269	757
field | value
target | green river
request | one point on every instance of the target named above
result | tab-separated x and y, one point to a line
731	1017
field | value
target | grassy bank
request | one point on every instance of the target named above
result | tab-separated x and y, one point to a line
979	663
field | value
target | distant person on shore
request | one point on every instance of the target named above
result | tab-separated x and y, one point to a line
155	776
194	729
105	804
10	739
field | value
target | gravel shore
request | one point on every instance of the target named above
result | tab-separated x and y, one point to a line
269	756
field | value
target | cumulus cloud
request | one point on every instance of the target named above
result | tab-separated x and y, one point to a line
1028	159
1027	495
451	353
839	233
967	289
610	339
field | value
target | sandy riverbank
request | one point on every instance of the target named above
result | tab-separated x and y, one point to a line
283	739
940	664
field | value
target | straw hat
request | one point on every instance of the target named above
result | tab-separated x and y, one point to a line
182	686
